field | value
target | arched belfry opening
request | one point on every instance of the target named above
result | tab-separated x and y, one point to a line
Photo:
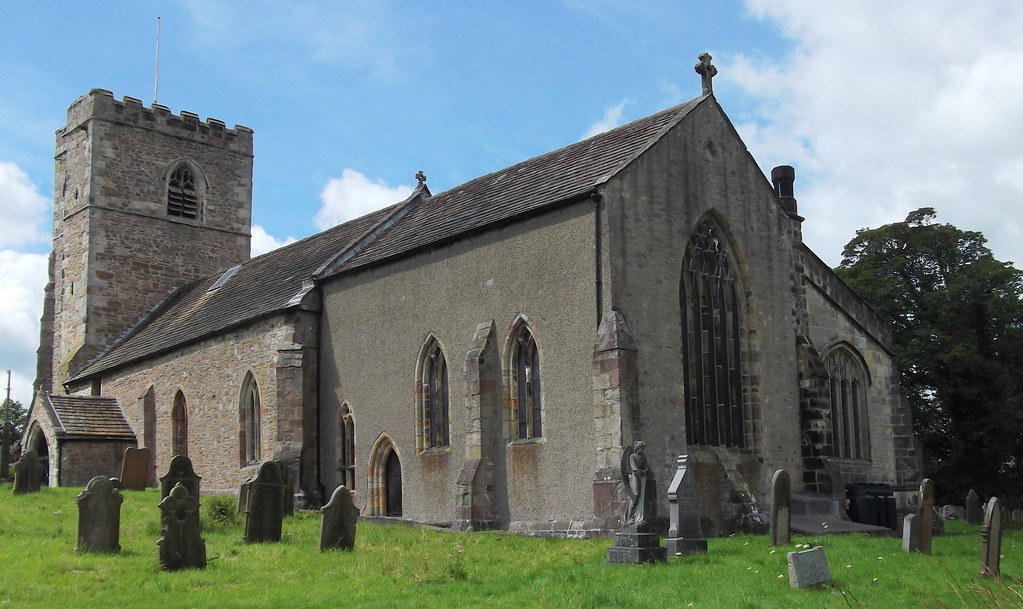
711	305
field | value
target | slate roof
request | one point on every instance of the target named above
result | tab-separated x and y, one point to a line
261	286
562	175
88	417
269	283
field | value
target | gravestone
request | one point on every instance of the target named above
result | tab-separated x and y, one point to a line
950	512
637	543
925	515
28	473
991	540
338	520
135	469
182	545
288	497
911	533
180	471
264	511
974	512
243	495
1016	517
809	568
99	516
685	536
781	513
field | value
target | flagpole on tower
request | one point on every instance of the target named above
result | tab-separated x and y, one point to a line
156	77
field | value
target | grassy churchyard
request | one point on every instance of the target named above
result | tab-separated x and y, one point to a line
396	566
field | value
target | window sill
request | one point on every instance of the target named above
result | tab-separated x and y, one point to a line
435	450
528	441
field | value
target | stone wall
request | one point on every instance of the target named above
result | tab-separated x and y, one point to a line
81	460
540	270
116	251
699	172
210	375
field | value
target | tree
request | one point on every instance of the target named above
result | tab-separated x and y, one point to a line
957	326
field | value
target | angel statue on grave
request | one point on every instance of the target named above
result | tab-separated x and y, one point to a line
634	471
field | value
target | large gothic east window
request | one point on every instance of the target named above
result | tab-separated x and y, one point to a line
712	349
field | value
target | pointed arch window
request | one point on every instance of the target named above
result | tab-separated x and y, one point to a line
179	425
184	192
711	343
250	415
525	384
847	382
346	447
433	397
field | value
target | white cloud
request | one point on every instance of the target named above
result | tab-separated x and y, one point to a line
354	195
22	278
263	242
22	208
886	107
611	119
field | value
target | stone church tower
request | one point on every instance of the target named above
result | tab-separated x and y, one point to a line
145	201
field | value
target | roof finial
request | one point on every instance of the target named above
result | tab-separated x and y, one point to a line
707	72
421	177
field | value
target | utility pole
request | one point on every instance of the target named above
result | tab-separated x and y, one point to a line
5	441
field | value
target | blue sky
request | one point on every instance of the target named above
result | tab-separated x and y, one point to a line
882	107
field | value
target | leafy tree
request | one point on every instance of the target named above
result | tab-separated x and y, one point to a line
957	322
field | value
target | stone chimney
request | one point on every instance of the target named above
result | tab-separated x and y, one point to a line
783	177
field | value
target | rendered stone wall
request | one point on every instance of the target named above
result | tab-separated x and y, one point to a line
116	252
210	375
702	171
375	323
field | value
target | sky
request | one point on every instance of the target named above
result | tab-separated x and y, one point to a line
882	107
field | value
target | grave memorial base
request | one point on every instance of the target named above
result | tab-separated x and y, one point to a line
636	545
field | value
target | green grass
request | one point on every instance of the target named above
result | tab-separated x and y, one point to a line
409	567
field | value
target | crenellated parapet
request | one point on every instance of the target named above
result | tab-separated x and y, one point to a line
100	104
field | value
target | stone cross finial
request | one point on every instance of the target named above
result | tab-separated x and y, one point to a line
707	72
421	177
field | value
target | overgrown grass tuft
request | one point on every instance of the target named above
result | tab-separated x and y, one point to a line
412	567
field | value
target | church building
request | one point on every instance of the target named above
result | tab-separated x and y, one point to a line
476	358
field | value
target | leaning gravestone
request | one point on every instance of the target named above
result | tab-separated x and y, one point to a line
911	533
338	521
991	540
685	535
182	545
925	515
99	516
243	494
28	473
135	469
781	513
264	512
809	568
974	512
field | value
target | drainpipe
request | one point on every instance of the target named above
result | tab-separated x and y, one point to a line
598	280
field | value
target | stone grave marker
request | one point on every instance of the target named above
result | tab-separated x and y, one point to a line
182	545
925	515
28	473
911	533
288	497
338	521
264	512
685	535
974	511
781	512
243	494
637	543
1016	517
99	516
991	540
135	469
180	470
809	568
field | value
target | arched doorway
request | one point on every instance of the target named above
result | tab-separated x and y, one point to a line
392	475
36	440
